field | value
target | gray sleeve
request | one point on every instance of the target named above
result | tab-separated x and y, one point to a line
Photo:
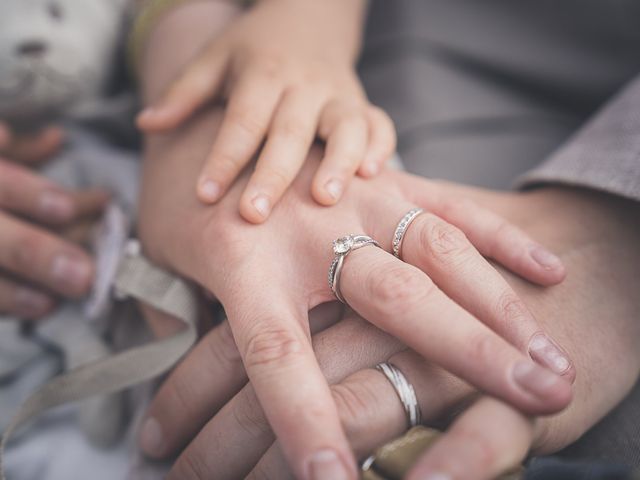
603	155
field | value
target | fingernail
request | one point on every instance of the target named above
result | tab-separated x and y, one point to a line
326	465
534	379
151	439
543	350
545	258
56	204
209	190
30	302
334	188
262	205
73	271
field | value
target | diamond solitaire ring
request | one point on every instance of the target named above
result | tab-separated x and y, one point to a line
342	247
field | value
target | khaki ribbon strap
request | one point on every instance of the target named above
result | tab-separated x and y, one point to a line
143	281
394	460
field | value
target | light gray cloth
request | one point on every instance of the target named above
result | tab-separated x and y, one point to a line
526	92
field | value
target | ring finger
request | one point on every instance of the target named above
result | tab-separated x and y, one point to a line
371	411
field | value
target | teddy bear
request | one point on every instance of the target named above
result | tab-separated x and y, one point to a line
57	62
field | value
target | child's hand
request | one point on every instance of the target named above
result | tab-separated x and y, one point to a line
286	70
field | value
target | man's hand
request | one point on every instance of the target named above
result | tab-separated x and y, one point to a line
593	313
32	149
36	262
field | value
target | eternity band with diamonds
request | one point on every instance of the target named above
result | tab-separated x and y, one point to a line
342	247
401	229
405	392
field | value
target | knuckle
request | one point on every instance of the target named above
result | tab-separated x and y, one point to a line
443	243
278	177
191	466
241	117
510	307
271	65
248	415
478	447
293	130
226	163
399	289
356	405
481	349
272	347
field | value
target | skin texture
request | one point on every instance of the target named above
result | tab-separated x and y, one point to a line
42	228
267	296
285	82
600	331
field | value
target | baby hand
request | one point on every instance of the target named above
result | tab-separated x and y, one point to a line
286	72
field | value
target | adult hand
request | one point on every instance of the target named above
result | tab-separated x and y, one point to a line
29	149
235	439
269	276
36	262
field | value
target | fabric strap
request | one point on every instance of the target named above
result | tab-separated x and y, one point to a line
138	279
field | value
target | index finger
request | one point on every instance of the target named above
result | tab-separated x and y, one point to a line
294	394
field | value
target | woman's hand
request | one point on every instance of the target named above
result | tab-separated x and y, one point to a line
269	276
286	69
233	438
37	262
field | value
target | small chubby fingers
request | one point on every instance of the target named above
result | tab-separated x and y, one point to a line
246	121
197	85
291	135
383	141
344	128
44	259
23	301
487	440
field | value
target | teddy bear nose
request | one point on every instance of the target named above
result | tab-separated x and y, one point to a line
31	48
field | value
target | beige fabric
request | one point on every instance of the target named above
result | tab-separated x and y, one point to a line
142	281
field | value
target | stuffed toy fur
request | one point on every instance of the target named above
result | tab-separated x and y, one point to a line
56	61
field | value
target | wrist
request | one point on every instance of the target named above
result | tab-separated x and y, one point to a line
168	50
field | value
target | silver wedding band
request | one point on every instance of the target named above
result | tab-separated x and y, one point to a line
342	247
402	228
405	391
